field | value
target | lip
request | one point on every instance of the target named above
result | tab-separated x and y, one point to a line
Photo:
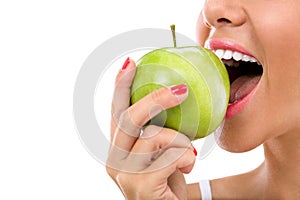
236	107
226	44
219	43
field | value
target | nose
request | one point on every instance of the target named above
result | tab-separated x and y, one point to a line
218	13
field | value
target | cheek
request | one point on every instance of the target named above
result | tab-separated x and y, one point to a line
281	99
276	25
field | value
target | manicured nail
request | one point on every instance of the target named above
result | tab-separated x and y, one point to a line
179	89
126	63
195	151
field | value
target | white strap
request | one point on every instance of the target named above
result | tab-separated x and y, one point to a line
205	190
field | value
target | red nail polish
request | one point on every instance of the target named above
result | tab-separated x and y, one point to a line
195	151
179	89
126	63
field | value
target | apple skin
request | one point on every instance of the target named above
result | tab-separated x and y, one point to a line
208	88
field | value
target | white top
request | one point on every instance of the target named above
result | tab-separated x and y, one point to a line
205	190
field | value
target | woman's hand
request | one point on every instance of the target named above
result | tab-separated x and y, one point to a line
148	163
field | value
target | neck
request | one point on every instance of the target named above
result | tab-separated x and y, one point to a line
281	169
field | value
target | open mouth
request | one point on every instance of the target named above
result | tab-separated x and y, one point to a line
244	72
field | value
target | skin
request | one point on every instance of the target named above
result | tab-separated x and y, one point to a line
267	29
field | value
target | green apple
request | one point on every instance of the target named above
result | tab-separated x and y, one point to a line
208	87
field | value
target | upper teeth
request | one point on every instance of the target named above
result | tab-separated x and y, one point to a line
237	56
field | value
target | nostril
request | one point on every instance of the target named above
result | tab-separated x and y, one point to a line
223	20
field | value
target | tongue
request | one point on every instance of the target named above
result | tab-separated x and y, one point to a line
242	86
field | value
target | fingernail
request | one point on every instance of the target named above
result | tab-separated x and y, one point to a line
126	63
179	89
195	151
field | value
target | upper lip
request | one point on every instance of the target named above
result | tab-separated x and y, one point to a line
226	44
233	54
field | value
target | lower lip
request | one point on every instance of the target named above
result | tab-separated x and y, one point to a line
239	105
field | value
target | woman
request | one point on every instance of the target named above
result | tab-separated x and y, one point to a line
264	109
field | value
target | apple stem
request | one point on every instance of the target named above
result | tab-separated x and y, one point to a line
173	34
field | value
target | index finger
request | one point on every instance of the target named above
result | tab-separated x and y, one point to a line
121	97
130	123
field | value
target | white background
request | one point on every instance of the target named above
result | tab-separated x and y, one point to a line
42	47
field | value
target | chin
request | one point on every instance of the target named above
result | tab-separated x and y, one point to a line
238	139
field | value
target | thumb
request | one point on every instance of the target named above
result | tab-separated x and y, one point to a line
177	184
